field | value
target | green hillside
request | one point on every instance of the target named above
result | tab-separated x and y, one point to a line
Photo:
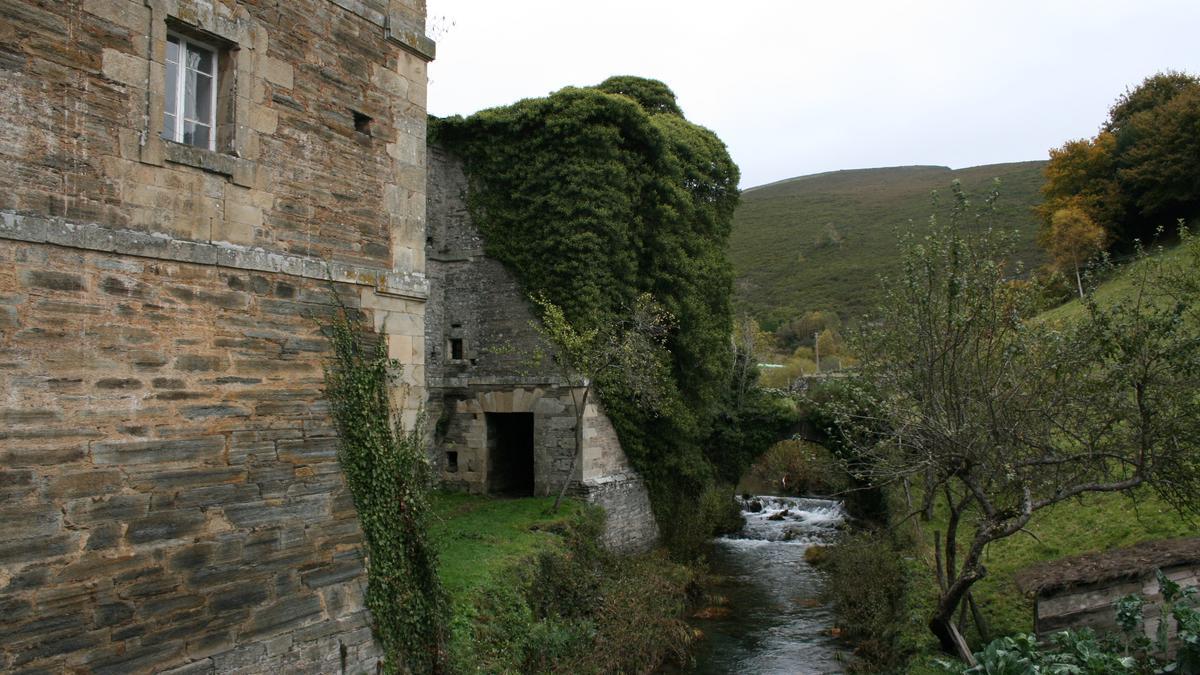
821	241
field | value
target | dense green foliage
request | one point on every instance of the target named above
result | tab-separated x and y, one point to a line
388	476
1142	171
534	593
821	242
594	196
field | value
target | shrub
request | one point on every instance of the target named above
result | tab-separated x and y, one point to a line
810	469
579	609
869	614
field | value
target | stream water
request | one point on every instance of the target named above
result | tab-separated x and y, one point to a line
774	621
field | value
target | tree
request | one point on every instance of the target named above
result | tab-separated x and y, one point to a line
1000	414
630	352
1072	240
1142	170
1082	174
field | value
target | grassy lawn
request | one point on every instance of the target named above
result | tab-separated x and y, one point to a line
478	537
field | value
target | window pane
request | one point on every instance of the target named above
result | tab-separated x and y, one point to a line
172	49
195	134
168	131
172	87
189	94
202	103
199	59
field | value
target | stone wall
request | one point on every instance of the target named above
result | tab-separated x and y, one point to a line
1093	605
476	301
171	496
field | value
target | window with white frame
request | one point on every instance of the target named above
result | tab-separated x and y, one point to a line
190	112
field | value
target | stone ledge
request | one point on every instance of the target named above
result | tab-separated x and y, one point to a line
240	170
95	237
462	255
411	41
494	381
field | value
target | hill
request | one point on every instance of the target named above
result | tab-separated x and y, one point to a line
821	241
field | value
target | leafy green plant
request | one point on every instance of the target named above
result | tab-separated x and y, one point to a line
628	352
388	475
594	196
1083	652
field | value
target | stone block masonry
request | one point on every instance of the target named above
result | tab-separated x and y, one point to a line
170	497
479	342
170	479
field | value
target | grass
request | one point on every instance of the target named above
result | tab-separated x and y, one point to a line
479	538
1099	522
821	242
1121	286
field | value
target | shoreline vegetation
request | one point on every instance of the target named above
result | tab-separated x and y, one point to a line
533	591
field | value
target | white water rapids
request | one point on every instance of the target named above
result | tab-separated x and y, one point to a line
776	622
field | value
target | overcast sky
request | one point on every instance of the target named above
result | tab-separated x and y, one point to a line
798	87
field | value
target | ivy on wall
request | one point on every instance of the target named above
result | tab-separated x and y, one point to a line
388	476
594	196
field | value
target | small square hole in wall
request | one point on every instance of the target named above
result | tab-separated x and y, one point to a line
362	123
452	461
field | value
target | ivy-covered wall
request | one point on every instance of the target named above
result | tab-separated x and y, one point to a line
593	196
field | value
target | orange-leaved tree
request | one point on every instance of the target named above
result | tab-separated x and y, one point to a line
1073	239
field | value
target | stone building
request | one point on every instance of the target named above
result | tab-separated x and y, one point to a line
181	184
1082	591
503	425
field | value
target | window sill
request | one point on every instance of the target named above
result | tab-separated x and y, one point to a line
236	168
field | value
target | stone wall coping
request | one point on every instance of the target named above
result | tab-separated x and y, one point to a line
494	381
96	237
461	255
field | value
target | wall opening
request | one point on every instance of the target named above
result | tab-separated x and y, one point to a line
510	454
456	349
452	461
362	123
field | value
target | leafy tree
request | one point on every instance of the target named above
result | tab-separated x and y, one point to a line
1082	175
652	95
629	352
1142	169
1000	414
1159	157
1074	239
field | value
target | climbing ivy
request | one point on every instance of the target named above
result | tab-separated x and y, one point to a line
388	475
594	196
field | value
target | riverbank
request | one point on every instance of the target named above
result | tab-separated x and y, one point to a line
533	591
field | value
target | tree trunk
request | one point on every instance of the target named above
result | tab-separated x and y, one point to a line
579	408
1078	281
942	623
951	639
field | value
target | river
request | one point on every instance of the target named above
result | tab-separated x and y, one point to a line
774	620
